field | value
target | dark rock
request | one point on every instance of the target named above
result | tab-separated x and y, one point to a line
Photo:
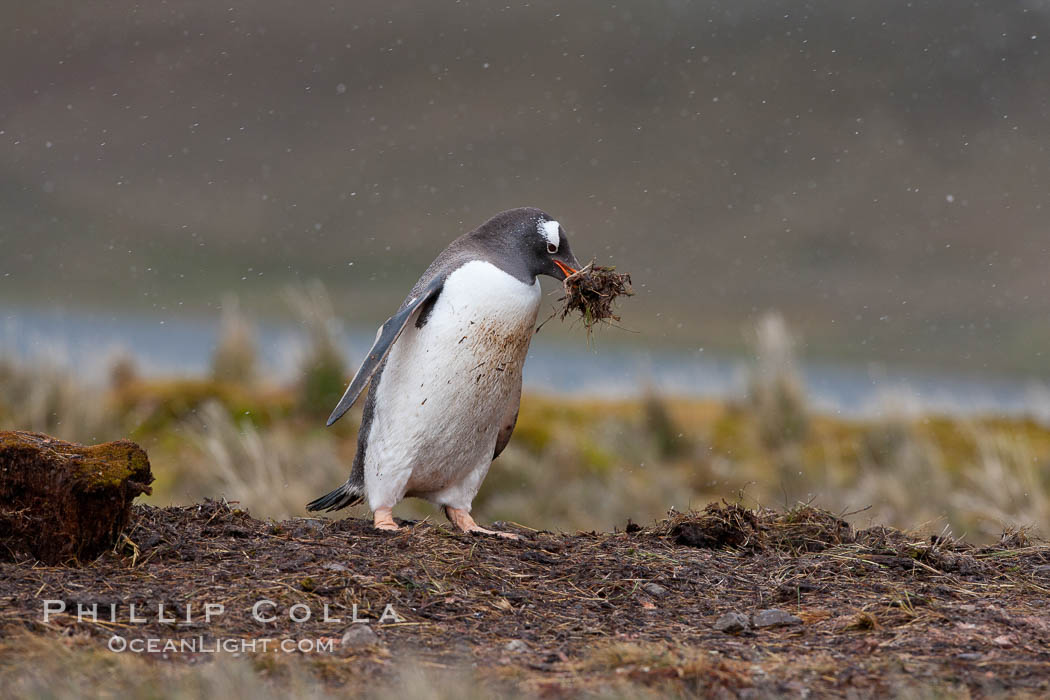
359	635
60	501
732	622
774	618
655	590
516	646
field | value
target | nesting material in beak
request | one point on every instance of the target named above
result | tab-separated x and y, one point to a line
592	290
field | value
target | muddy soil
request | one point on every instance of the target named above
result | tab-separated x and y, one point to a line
857	613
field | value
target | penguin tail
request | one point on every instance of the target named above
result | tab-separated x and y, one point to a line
346	495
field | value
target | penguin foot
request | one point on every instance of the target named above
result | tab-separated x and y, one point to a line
383	519
462	520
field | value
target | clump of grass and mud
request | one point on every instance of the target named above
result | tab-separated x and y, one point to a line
723	602
592	291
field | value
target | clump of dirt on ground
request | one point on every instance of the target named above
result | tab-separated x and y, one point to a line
719	525
807	529
591	292
62	501
724	602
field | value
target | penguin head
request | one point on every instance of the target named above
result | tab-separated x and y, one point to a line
531	242
553	256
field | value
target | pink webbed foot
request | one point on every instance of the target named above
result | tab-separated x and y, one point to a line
383	519
461	519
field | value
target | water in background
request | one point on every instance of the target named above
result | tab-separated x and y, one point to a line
184	346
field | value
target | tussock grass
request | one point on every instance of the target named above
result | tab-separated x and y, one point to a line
236	356
776	393
323	372
46	396
273	471
572	463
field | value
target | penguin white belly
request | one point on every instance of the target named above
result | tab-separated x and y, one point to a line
447	388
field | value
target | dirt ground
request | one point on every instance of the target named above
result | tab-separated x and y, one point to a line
859	613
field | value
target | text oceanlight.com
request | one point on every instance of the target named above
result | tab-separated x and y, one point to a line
265	613
230	645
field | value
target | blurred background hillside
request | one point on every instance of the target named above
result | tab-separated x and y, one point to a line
876	171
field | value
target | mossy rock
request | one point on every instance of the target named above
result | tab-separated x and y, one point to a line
63	502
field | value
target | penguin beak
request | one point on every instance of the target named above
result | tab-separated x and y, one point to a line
565	269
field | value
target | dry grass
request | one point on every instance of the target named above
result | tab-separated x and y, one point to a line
76	666
46	396
323	373
1007	483
776	394
597	463
236	356
274	471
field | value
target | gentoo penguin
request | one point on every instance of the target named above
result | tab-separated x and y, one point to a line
445	370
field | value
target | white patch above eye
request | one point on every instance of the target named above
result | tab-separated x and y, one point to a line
549	230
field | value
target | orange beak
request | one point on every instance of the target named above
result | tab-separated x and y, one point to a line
566	270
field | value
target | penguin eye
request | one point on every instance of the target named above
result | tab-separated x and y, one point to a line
551	231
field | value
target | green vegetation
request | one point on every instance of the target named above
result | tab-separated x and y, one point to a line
573	463
109	465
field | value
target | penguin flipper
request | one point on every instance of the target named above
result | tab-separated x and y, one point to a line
388	333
